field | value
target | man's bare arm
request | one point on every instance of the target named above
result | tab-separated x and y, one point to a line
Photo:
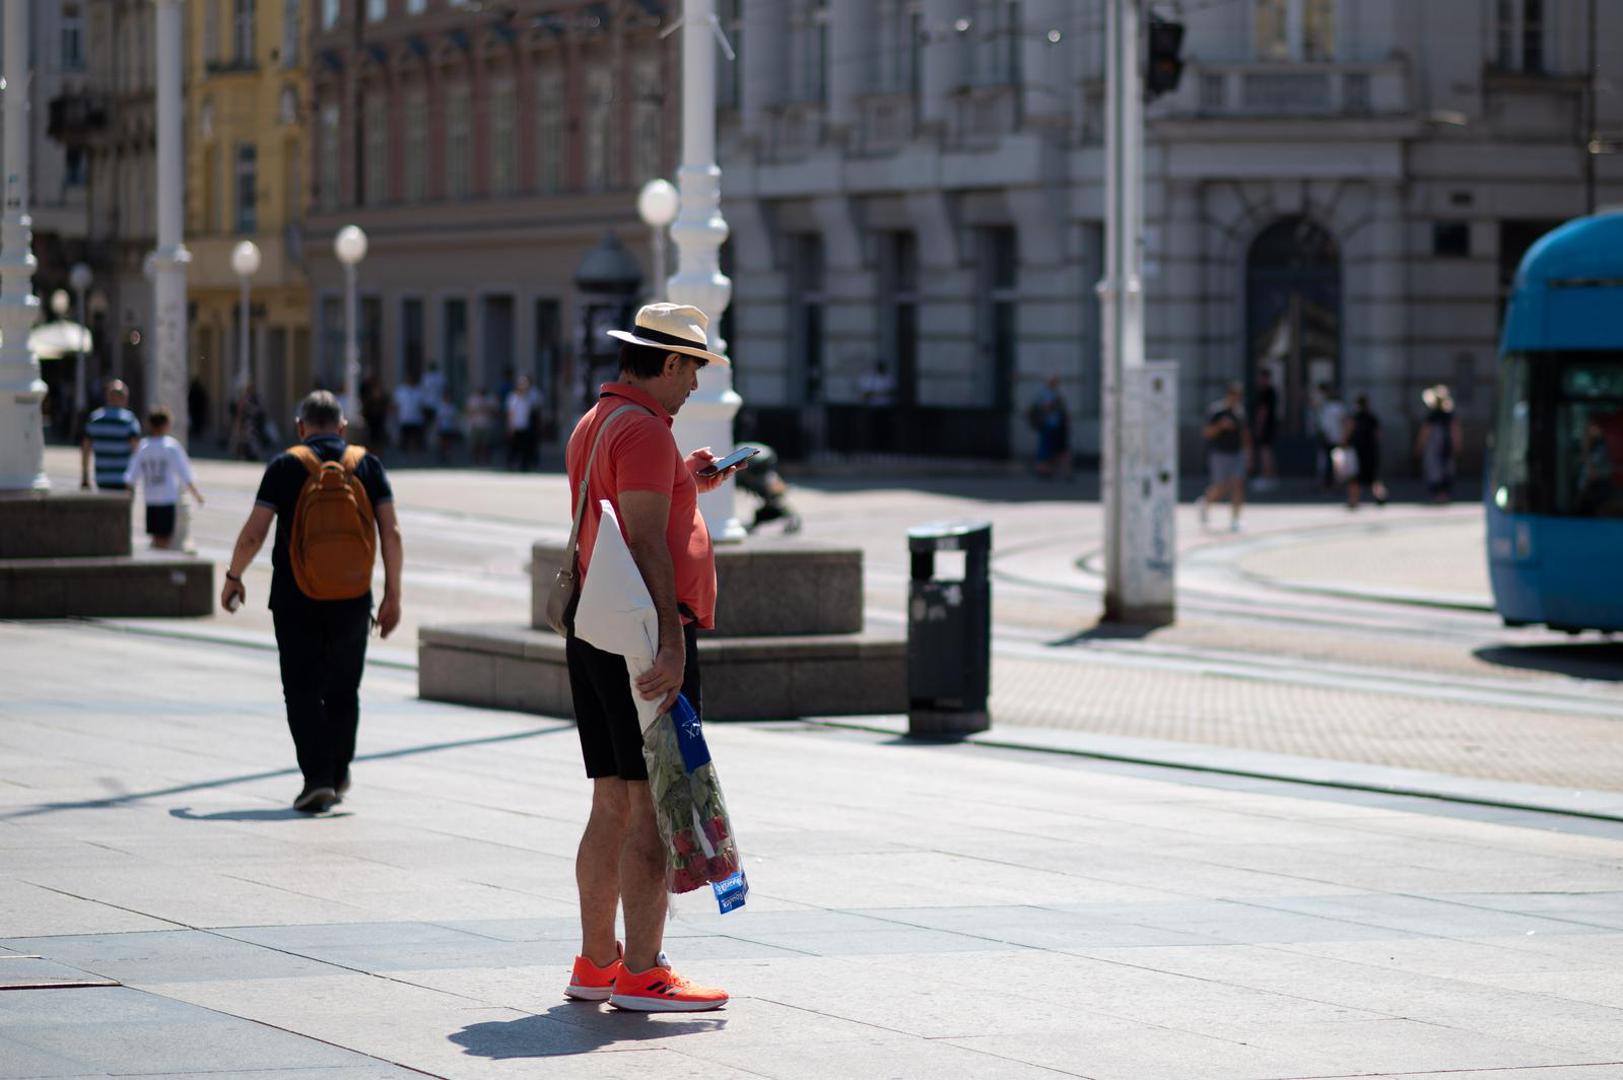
249	541
394	556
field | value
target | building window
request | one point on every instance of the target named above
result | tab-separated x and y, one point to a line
292	181
244	31
287	106
74	165
377	10
647	101
328	157
992	38
1451	239
247	188
807	299
502	107
458	143
997	271
1521	35
414	144
729	73
1294	30
900	43
73	55
290	32
211	33
549	129
808	56
412	342
899	285
329	14
416	7
376	163
600	141
454	342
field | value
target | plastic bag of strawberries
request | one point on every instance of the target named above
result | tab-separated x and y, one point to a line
699	845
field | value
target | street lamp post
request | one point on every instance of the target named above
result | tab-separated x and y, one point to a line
350	247
22	434
167	367
79	279
245	261
657	205
699	231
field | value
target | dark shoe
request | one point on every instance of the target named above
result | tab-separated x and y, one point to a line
342	787
315	800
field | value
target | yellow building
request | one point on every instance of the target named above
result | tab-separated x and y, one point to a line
245	144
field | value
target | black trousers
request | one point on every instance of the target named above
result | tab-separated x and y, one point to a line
323	650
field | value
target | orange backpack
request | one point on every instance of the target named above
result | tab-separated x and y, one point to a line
334	538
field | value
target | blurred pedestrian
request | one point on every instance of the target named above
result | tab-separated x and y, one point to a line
763	481
1265	429
1437	442
432	386
1052	419
333	508
375	411
249	432
1228	453
523	413
163	467
1364	440
197	409
447	427
111	435
878	391
479	413
1331	416
408	415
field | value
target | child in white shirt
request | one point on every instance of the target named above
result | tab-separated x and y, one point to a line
162	465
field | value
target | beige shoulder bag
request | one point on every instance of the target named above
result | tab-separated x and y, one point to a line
567	583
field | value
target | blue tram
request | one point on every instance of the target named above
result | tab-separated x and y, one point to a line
1555	473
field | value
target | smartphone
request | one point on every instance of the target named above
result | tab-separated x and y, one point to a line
737	457
234	603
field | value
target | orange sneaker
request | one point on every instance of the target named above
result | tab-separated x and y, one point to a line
588	982
659	989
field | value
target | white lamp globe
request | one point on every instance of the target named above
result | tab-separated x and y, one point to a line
59	303
80	277
349	245
245	259
658	203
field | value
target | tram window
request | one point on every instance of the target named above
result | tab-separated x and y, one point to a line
1589	438
1511	437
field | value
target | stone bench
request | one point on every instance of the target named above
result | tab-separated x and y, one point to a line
107	586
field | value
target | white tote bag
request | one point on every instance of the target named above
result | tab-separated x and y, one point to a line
616	614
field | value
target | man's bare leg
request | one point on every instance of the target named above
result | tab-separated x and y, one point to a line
642	880
597	869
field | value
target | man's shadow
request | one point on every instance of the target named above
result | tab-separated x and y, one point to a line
280	813
577	1028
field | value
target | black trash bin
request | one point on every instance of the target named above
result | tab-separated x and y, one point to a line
949	631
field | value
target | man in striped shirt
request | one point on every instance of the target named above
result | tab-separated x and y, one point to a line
111	433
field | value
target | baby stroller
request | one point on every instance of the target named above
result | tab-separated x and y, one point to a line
762	480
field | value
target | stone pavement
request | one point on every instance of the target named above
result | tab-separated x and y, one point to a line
917	910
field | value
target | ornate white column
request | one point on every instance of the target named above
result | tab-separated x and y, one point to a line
707	418
22	435
166	363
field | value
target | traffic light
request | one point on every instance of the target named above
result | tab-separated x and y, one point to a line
1165	66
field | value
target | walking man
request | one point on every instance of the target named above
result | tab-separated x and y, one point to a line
111	435
1228	454
654	490
339	498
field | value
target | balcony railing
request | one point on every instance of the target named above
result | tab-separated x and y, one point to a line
1286	90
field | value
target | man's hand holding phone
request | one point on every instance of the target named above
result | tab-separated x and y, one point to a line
710	471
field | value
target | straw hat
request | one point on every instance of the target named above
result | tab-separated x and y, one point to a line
679	328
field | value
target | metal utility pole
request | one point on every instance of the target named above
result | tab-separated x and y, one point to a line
707	418
22	432
1137	477
166	362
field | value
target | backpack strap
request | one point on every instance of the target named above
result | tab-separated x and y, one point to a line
306	457
586	479
353	456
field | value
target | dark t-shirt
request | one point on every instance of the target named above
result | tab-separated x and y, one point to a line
1364	431
1229	440
279	489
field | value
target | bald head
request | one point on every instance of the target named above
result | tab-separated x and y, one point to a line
118	393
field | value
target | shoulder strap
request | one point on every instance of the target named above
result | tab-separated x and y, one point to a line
586	479
353	456
306	457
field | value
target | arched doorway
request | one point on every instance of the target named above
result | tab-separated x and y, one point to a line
1293	327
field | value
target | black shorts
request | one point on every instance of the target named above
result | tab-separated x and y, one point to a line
161	520
606	716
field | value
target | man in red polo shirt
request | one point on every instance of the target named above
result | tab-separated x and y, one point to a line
655	493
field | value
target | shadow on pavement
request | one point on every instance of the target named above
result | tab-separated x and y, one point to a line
1105	631
574	1029
1598	660
204	785
286	813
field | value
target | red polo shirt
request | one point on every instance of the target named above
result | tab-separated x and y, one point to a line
639	454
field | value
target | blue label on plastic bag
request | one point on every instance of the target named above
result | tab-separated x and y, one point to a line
689	735
732	892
